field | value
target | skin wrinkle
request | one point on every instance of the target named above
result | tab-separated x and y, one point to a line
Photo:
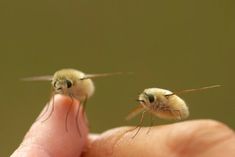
119	140
101	146
157	134
229	146
222	140
138	143
176	147
188	140
220	137
111	142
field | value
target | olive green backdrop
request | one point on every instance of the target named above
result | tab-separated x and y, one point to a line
169	44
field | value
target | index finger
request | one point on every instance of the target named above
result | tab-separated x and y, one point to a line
199	138
49	138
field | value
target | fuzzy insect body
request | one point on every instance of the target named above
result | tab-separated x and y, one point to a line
163	104
73	83
158	103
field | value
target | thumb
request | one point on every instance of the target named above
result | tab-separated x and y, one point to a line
49	138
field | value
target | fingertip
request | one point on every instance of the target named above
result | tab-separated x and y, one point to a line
51	134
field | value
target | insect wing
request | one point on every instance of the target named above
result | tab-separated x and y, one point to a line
38	78
135	112
91	76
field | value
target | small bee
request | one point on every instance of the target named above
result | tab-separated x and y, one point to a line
73	83
163	104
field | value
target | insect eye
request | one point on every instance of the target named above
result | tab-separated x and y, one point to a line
69	83
151	98
54	84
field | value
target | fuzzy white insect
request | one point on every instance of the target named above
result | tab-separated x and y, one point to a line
73	83
163	104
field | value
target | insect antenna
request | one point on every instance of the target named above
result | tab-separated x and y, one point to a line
193	90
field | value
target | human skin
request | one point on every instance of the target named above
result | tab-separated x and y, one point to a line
195	138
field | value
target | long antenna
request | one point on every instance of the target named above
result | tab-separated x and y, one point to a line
193	90
91	76
38	78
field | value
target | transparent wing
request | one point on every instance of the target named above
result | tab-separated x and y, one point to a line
90	76
193	90
134	112
38	78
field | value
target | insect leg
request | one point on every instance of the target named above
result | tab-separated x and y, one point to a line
52	109
84	114
76	119
44	111
129	130
84	106
67	114
77	115
174	112
139	125
178	114
151	123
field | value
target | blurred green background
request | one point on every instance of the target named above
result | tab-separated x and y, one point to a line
168	44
